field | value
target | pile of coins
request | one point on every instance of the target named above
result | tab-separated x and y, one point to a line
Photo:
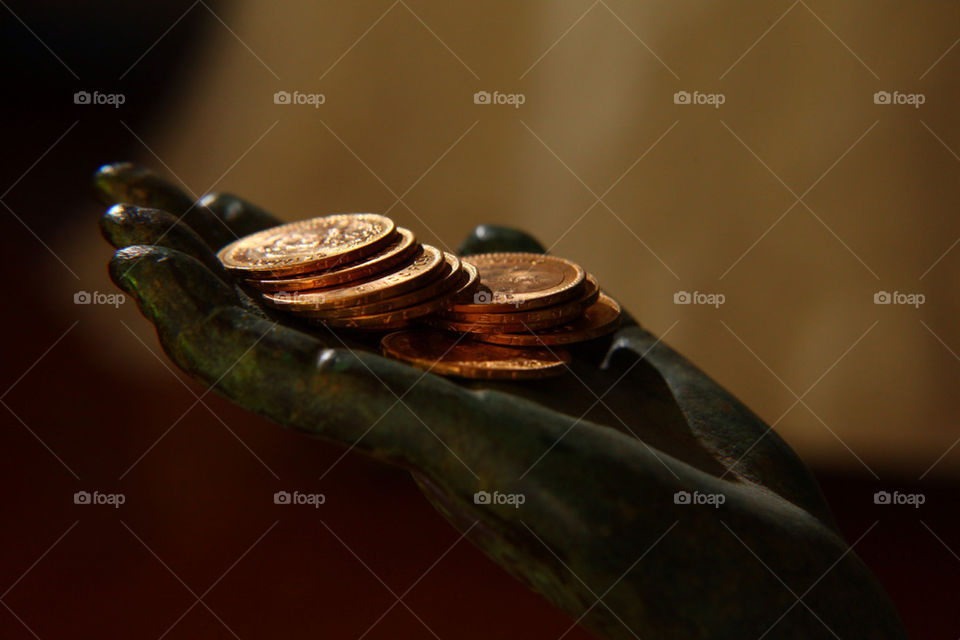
494	315
531	299
354	271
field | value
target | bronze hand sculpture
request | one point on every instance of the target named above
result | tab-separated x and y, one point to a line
606	457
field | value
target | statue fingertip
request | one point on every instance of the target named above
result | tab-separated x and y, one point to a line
110	181
110	224
490	238
123	262
112	169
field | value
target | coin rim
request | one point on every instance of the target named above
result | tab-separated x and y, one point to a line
447	280
560	313
365	297
534	339
402	317
390	256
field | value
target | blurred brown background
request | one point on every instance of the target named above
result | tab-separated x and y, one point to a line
798	200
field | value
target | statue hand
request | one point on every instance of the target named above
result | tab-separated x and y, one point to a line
611	459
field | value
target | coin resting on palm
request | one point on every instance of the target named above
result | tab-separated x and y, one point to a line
446	353
360	272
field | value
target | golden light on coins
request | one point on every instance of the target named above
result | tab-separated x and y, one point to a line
361	272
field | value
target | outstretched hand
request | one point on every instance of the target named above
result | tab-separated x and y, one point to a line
604	456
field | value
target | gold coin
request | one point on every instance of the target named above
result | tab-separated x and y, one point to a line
558	313
514	281
440	322
308	245
401	249
464	281
600	318
470	282
424	268
449	277
447	354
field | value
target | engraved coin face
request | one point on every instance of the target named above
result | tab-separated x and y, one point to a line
515	281
447	354
309	245
425	267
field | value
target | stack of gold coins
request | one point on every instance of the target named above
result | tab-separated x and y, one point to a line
529	299
355	271
512	325
359	271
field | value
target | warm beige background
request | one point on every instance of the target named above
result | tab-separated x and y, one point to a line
687	191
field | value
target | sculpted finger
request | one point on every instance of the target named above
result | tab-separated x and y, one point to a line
489	238
242	217
128	183
134	184
124	225
171	288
